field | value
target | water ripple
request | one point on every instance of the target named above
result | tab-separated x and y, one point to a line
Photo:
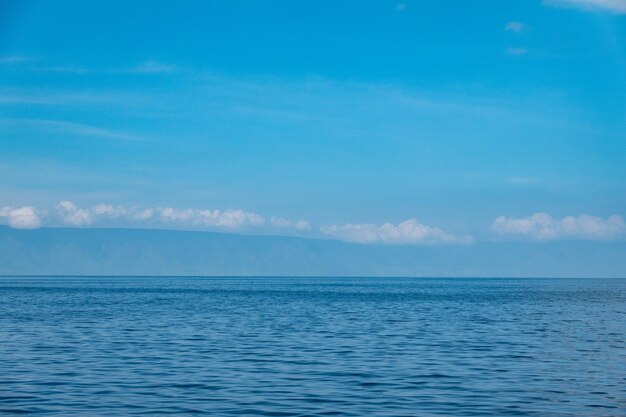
312	347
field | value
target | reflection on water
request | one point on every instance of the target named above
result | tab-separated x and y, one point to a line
312	346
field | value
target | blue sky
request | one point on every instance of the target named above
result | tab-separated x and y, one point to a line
375	122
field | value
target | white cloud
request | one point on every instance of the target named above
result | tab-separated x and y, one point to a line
26	217
107	210
282	223
614	6
229	219
514	26
541	226
144	214
409	232
74	216
400	7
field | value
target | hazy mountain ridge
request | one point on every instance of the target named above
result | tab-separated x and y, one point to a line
72	251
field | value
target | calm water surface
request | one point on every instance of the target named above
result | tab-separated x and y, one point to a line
312	346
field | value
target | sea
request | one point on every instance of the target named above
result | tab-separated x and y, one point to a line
296	346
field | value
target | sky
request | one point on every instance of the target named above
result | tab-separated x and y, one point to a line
377	122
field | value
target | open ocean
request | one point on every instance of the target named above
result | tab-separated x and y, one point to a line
96	346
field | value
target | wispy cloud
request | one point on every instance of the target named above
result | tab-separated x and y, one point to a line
74	98
69	69
541	226
14	59
613	6
77	129
28	63
282	223
514	26
152	67
41	65
523	181
409	232
516	51
26	217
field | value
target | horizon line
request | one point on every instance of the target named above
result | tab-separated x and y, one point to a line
289	276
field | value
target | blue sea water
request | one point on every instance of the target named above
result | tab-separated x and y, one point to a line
99	346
